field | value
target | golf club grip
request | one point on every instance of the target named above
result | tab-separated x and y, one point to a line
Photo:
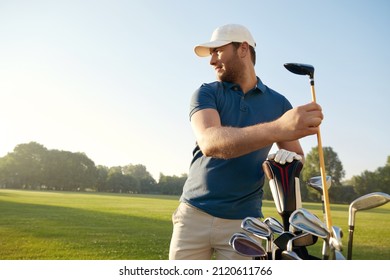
350	242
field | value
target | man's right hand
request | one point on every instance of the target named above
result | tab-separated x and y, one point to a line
300	122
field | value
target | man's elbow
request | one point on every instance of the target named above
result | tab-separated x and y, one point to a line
207	149
214	151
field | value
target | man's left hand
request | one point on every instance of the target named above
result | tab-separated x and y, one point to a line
282	156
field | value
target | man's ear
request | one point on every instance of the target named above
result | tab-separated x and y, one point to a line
244	49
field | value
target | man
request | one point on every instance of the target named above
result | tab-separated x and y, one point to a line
236	120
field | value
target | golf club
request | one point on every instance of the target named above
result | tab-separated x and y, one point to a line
316	183
290	255
306	69
339	256
302	240
335	240
260	230
307	222
274	225
301	69
282	240
246	246
365	202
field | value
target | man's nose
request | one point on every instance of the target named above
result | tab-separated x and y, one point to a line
213	58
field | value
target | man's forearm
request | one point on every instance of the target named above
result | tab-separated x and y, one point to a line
231	142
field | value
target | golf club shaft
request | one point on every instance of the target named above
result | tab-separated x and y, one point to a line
325	250
350	242
322	167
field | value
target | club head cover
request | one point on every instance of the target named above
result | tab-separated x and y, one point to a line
285	187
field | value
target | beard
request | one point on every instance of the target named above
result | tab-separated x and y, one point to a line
232	70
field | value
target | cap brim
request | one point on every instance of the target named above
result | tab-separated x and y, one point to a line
204	49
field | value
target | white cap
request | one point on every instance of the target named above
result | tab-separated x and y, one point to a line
224	35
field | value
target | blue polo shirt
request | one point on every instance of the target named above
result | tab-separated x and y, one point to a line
232	188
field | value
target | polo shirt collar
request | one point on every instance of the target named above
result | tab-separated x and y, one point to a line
260	86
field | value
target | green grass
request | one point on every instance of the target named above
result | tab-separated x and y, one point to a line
74	226
93	226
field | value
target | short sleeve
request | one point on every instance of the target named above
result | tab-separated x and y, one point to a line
203	98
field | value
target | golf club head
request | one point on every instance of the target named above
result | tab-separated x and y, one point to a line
260	230
274	225
290	255
335	241
282	240
301	240
246	246
285	187
335	244
368	201
339	256
256	227
316	183
300	69
308	222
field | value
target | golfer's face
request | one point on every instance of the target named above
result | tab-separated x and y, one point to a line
219	57
226	63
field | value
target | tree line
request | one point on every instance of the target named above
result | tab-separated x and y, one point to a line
32	166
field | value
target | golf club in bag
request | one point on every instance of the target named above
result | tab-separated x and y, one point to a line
247	246
365	202
285	188
316	184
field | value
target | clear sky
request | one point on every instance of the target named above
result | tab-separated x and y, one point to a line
113	79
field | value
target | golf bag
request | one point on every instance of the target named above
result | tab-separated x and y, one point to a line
285	188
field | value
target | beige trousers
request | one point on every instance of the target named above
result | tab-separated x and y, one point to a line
199	236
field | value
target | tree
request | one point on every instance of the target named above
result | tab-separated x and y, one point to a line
101	180
82	170
33	166
8	173
69	171
121	183
171	185
55	174
384	177
147	184
311	168
26	165
377	181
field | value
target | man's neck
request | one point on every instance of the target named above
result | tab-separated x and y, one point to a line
248	82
